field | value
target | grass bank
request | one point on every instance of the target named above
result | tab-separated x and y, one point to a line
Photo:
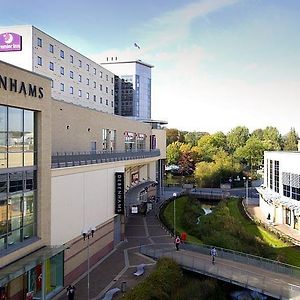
228	227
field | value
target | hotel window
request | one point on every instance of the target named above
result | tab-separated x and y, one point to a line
80	63
71	90
87	95
100	74
39	42
112	103
71	74
276	176
87	81
51	48
95	84
106	77
62	87
106	89
112	92
39	61
100	87
106	102
71	58
79	93
79	78
62	70
95	71
112	80
87	67
51	66
62	54
52	83
95	98
101	100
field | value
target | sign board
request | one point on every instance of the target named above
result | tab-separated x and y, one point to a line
10	41
119	193
134	209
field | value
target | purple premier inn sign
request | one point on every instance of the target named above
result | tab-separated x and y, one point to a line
10	42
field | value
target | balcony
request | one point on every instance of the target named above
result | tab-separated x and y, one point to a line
71	159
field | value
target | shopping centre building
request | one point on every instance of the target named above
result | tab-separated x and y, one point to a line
69	171
279	196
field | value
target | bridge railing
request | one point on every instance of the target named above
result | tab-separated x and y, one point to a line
257	261
240	276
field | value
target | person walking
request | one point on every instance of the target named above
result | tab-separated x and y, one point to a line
71	292
177	242
213	253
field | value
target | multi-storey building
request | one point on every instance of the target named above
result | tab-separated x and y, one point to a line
132	88
74	77
280	193
66	170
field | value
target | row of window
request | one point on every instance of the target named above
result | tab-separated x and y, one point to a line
80	93
71	59
71	74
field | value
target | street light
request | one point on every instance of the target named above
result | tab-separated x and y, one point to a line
247	187
86	235
174	212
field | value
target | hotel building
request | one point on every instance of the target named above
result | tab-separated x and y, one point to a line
74	78
279	196
132	88
66	169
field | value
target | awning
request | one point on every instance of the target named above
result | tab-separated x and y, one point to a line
132	196
26	263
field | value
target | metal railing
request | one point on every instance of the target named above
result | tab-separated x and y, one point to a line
259	280
71	159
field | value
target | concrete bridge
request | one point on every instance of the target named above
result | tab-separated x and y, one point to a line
268	277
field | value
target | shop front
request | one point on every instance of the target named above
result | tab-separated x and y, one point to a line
39	275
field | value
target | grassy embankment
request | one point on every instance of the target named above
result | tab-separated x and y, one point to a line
228	227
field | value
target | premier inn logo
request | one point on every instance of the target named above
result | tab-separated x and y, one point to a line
20	87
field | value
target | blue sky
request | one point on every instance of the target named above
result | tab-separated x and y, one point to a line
218	63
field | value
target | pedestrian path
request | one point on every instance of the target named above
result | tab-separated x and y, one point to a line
117	269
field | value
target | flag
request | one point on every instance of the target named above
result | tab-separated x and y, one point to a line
136	45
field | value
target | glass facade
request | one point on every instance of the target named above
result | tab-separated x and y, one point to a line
17	176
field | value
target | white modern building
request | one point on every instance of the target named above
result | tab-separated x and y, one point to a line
74	78
279	196
132	87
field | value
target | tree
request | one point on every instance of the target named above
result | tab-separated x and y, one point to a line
237	137
272	139
290	140
172	135
173	153
193	137
252	153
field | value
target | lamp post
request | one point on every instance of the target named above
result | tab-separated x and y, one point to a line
174	212
247	188
86	235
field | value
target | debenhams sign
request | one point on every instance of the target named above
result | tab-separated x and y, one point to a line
20	87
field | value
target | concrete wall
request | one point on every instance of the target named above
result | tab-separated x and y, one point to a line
86	125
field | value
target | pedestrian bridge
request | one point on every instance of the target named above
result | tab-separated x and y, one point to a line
268	277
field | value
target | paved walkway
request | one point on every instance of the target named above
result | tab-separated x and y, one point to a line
116	270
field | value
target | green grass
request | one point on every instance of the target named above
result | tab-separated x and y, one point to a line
285	251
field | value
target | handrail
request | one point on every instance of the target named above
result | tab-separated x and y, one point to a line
70	159
281	287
